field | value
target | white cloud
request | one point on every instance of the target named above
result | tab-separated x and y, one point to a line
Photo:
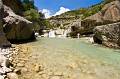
62	10
46	12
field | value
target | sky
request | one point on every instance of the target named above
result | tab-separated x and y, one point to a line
57	7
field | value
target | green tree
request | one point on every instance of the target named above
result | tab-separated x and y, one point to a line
28	4
31	13
35	17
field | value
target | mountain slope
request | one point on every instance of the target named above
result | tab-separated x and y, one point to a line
83	13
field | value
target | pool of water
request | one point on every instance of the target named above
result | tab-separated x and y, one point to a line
80	47
74	59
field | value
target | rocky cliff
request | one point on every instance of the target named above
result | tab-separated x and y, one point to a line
104	23
110	12
99	14
3	40
15	5
13	27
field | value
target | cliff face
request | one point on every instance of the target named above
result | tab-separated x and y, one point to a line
60	21
3	40
15	5
14	27
110	12
104	25
108	34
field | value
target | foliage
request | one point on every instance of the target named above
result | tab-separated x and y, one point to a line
48	24
85	12
31	13
107	1
28	4
92	10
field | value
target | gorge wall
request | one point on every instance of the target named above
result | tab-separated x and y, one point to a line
13	26
96	24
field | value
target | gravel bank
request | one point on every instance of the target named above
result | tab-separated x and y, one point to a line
6	67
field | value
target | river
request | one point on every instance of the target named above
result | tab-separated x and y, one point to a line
65	58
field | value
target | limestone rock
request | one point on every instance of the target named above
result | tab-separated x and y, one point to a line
110	12
2	60
84	27
12	76
15	5
16	27
20	65
1	77
17	71
3	40
108	35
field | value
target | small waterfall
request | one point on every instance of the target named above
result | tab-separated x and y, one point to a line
51	34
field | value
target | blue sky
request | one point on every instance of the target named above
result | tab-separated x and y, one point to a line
53	6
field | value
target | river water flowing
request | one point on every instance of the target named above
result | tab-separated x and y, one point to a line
64	58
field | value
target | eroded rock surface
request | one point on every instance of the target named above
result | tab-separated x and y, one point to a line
110	12
15	5
109	35
3	40
16	27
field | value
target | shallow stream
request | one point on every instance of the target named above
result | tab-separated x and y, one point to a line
63	58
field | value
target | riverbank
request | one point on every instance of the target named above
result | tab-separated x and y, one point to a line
6	67
53	58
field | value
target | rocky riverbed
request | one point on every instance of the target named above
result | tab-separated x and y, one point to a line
6	67
64	59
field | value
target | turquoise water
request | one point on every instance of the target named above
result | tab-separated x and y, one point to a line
73	59
80	47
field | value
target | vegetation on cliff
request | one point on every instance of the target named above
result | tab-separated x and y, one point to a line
85	12
31	13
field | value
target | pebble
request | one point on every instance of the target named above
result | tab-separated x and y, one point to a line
5	55
55	77
20	65
24	70
12	76
17	71
2	71
58	73
1	77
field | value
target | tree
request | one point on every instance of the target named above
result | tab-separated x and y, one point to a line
28	4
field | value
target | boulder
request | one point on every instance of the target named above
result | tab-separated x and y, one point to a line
16	27
12	76
84	27
3	40
108	35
